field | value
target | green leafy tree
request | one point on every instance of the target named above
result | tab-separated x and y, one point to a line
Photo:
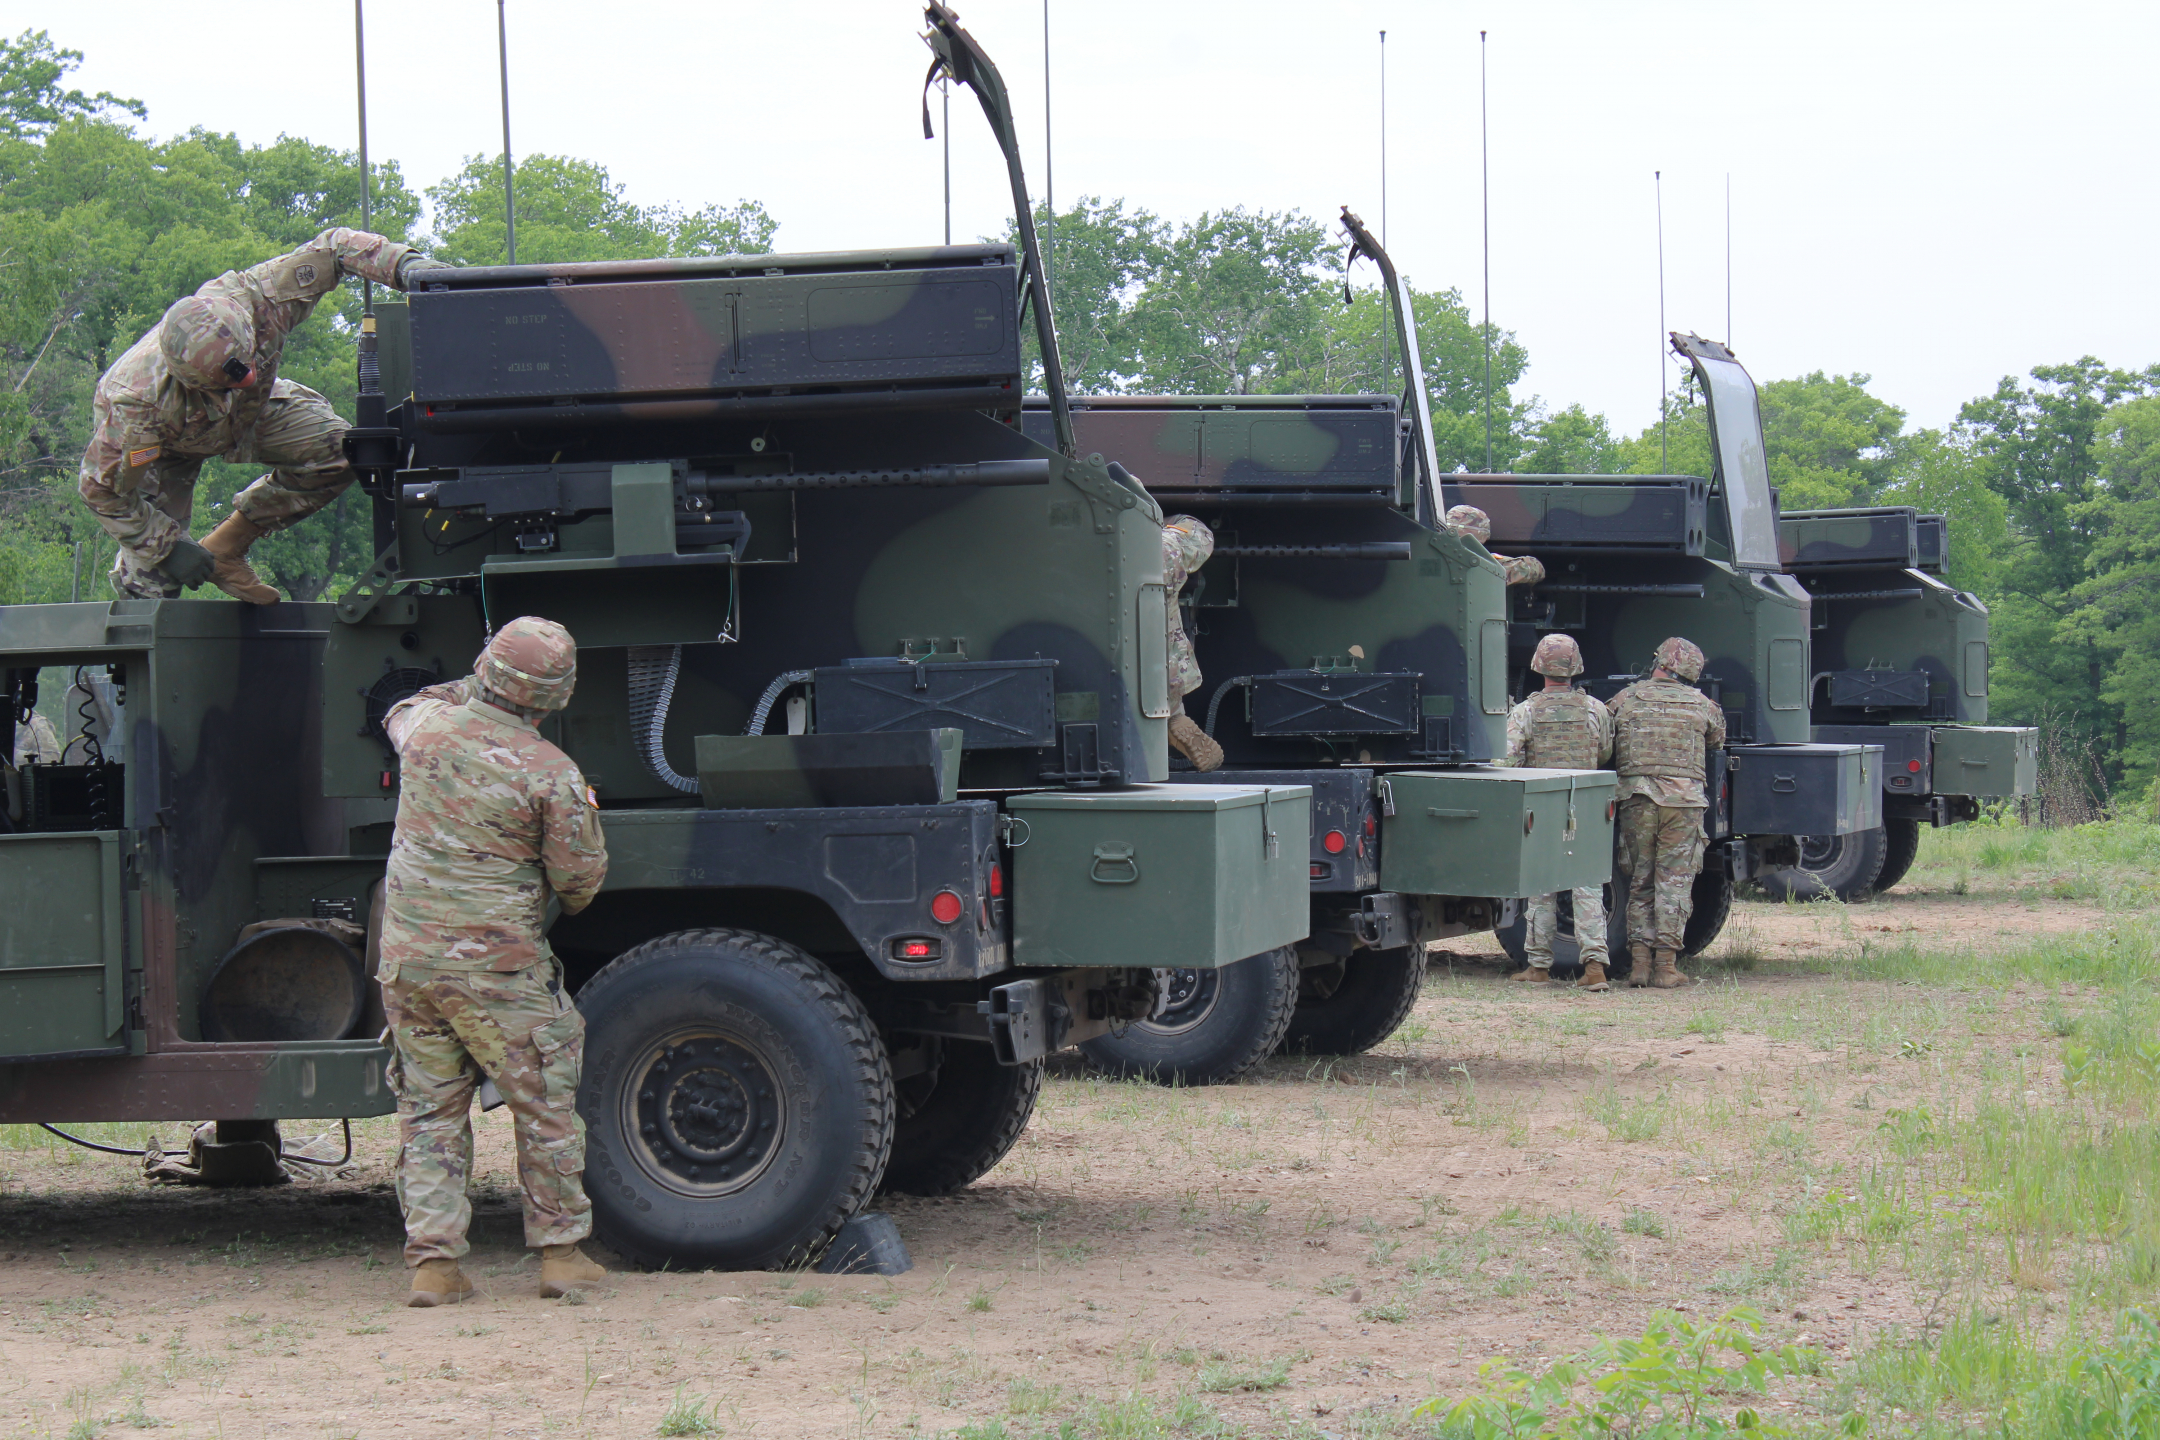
2117	612
1573	441
570	210
2038	446
1234	297
1102	255
1938	475
1830	444
31	98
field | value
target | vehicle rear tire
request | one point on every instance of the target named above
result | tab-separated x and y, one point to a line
1567	949
1847	866
1713	895
1350	1010
1219	1024
738	1102
952	1130
1901	846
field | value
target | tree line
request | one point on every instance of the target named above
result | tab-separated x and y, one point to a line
2052	481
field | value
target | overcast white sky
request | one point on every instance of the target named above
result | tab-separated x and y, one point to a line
1935	194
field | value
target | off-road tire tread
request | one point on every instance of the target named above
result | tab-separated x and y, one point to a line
1901	846
943	1174
1861	886
1266	1038
1707	921
1381	1024
866	1049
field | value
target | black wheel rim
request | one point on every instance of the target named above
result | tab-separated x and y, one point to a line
704	1113
1189	996
1819	852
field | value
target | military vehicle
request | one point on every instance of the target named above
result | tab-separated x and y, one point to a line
1632	559
1350	643
1900	660
767	494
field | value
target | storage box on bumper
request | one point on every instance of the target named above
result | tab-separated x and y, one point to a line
1804	789
1986	760
1193	875
1498	832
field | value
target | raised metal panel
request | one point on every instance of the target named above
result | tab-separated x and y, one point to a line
1153	651
1493	665
1788	674
1879	689
1976	667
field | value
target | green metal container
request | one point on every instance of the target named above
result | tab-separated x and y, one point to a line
1494	831
1987	760
1208	874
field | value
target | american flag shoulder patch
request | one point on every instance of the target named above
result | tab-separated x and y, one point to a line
139	458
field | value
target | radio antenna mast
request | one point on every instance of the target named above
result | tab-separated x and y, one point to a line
1485	184
1387	337
367	222
1664	445
502	40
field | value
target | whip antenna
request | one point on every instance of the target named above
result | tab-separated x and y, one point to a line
1664	447
502	40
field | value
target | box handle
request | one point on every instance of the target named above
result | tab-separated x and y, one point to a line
1784	784
1974	764
1114	856
1438	813
1270	844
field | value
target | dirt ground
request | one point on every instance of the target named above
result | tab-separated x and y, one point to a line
1325	1242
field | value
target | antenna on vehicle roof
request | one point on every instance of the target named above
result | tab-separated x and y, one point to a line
1485	187
1728	259
1664	450
1049	244
1387	337
370	444
502	40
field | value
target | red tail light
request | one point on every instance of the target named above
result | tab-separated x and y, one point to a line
1333	842
997	880
1913	765
945	907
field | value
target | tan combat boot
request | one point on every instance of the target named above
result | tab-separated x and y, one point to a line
1593	977
1638	975
564	1268
1194	743
1667	975
1533	975
228	545
438	1282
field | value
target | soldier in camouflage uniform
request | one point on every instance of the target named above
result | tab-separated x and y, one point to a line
1186	546
204	384
492	821
1662	726
36	742
1560	728
1475	523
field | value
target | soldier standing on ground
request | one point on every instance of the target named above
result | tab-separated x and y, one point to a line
1471	521
203	384
1186	546
492	821
1561	728
1662	726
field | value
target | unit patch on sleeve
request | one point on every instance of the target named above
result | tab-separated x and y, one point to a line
139	458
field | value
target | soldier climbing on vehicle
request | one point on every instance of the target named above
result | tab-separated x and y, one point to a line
1473	522
493	823
203	384
1561	728
1662	728
1186	545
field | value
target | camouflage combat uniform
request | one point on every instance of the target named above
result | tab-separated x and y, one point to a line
1661	729
1473	522
1562	730
151	429
36	741
1186	546
492	820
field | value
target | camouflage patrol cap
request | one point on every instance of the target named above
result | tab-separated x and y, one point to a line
198	336
531	663
1681	657
1471	521
1557	655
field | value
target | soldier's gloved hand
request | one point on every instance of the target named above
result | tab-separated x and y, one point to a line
188	565
415	263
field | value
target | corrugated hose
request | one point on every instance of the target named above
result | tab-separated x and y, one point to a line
773	693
